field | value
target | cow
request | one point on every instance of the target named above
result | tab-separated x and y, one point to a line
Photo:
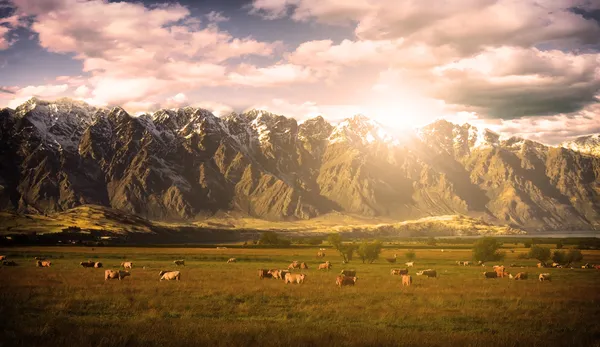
282	274
345	280
88	263
231	260
303	266
325	266
40	263
406	280
410	264
294	265
2	257
320	254
545	277
428	273
555	264
97	265
399	272
490	274
597	267
265	273
8	263
463	263
349	273
480	263
179	262
500	271
520	276
587	266
127	265
294	278
321	249
111	274
275	273
169	275
541	265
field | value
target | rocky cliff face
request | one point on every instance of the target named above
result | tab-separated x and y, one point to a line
179	164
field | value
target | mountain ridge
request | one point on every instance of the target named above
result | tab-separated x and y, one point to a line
177	164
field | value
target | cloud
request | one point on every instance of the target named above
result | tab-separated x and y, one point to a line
216	17
218	109
510	82
271	76
21	95
131	44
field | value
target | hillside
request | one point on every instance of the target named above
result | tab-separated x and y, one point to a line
184	165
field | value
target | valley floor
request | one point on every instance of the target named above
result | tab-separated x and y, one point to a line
220	304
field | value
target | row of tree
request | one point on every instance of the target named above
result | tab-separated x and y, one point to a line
485	250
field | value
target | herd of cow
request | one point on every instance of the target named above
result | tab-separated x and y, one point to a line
346	277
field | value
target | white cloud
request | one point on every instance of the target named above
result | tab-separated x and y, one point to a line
271	76
130	46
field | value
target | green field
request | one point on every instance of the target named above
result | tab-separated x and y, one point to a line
219	304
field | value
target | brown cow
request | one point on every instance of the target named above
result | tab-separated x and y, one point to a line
500	270
428	273
406	280
2	257
490	274
545	277
350	273
320	254
294	278
345	280
110	274
264	273
303	265
232	260
40	263
325	266
521	276
127	265
88	263
294	265
399	271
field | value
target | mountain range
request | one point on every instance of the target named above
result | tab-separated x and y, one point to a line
186	163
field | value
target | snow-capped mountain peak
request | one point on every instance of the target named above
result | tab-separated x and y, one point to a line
589	144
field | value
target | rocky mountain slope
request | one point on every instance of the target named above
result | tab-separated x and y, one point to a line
184	163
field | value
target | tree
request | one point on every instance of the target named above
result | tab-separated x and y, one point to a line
559	245
431	241
269	238
559	257
574	255
486	249
540	253
369	251
345	250
527	244
410	255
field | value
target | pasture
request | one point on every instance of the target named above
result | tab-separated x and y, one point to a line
220	304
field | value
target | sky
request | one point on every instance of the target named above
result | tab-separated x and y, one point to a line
527	68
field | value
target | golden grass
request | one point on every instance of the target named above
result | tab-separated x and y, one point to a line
219	304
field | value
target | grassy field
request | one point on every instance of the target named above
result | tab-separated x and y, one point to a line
219	304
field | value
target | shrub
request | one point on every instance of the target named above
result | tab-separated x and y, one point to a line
522	256
559	245
559	257
431	241
345	250
527	244
369	251
540	253
410	255
486	249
